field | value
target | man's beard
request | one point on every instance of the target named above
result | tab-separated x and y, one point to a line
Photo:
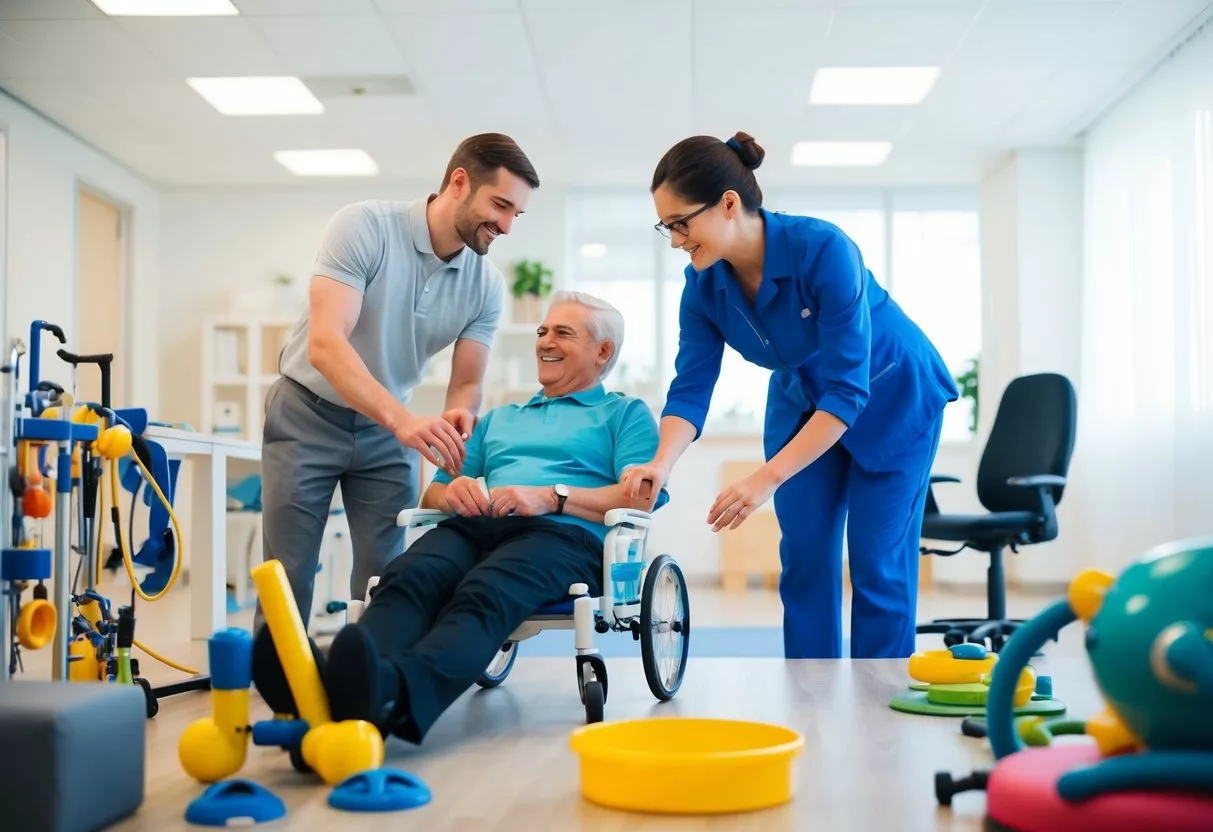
467	226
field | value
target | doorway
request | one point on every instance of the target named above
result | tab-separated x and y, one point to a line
100	293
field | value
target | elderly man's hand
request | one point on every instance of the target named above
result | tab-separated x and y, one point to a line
466	498
522	500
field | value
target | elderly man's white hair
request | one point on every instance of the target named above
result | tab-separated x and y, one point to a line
605	322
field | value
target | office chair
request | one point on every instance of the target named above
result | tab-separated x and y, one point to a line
1020	482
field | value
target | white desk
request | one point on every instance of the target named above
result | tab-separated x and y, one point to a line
207	525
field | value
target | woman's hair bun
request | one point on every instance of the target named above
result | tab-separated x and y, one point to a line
750	151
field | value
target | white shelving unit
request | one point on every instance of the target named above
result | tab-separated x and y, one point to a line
239	363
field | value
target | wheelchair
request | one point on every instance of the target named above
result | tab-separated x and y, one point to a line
646	598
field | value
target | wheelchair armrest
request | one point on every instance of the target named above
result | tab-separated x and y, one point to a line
630	516
414	518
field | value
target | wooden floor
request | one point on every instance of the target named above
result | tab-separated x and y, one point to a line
499	759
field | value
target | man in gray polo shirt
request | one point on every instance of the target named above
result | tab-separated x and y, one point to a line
394	284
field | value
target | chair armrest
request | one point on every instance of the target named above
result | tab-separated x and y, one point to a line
1044	484
1038	481
631	516
414	518
932	507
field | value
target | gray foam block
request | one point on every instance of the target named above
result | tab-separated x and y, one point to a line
71	754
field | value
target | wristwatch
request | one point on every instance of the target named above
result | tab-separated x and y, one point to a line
562	494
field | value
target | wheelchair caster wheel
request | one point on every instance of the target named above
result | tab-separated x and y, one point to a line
595	701
500	667
591	669
153	704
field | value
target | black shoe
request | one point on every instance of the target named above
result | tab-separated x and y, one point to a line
361	685
270	679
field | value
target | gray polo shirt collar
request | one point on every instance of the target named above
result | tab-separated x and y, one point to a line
420	229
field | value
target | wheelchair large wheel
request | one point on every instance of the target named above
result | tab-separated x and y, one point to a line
500	667
665	627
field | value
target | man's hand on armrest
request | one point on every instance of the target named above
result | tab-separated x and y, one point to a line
462	496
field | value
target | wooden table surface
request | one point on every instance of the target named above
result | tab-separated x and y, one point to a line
500	760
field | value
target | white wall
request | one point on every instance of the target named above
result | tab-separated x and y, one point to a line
46	166
1031	207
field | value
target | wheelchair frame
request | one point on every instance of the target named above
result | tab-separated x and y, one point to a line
587	615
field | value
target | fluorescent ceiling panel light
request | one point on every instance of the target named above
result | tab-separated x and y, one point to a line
166	8
341	162
840	154
593	250
873	86
257	96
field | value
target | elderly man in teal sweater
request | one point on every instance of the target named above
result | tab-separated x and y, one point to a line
528	510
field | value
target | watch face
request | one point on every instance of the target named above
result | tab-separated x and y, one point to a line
562	491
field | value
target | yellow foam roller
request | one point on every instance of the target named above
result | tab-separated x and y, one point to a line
291	643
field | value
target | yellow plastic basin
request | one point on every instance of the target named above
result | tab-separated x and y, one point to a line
687	766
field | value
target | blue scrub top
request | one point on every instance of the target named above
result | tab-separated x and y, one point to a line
832	335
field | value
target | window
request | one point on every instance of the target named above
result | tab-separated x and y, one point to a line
926	251
936	261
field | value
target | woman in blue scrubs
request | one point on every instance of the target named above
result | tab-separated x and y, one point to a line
855	402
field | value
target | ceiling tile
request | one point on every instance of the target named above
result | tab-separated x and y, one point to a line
492	84
1030	35
303	8
896	36
329	45
446	6
205	46
769	88
1139	32
49	10
73	49
973	107
645	51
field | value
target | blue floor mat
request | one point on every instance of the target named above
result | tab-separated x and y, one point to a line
706	642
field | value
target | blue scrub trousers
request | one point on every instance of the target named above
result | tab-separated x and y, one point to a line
881	512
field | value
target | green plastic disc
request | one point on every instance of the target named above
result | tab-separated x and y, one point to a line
968	694
915	702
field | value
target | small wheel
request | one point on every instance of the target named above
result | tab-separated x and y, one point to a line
595	702
153	704
500	667
665	627
297	762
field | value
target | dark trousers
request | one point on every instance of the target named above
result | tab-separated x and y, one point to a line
444	608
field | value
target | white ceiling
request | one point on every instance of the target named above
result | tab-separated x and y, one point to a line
594	91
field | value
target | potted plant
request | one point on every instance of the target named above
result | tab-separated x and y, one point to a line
967	382
532	283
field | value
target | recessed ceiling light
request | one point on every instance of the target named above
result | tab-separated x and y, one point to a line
342	162
165	8
877	85
840	154
593	250
257	96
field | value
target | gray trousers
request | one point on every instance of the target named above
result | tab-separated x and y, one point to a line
309	447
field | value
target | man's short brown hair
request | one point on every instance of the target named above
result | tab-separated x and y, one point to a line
483	154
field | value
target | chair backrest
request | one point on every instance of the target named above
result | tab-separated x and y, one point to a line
1033	433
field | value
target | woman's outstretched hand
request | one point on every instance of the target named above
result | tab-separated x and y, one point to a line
741	499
